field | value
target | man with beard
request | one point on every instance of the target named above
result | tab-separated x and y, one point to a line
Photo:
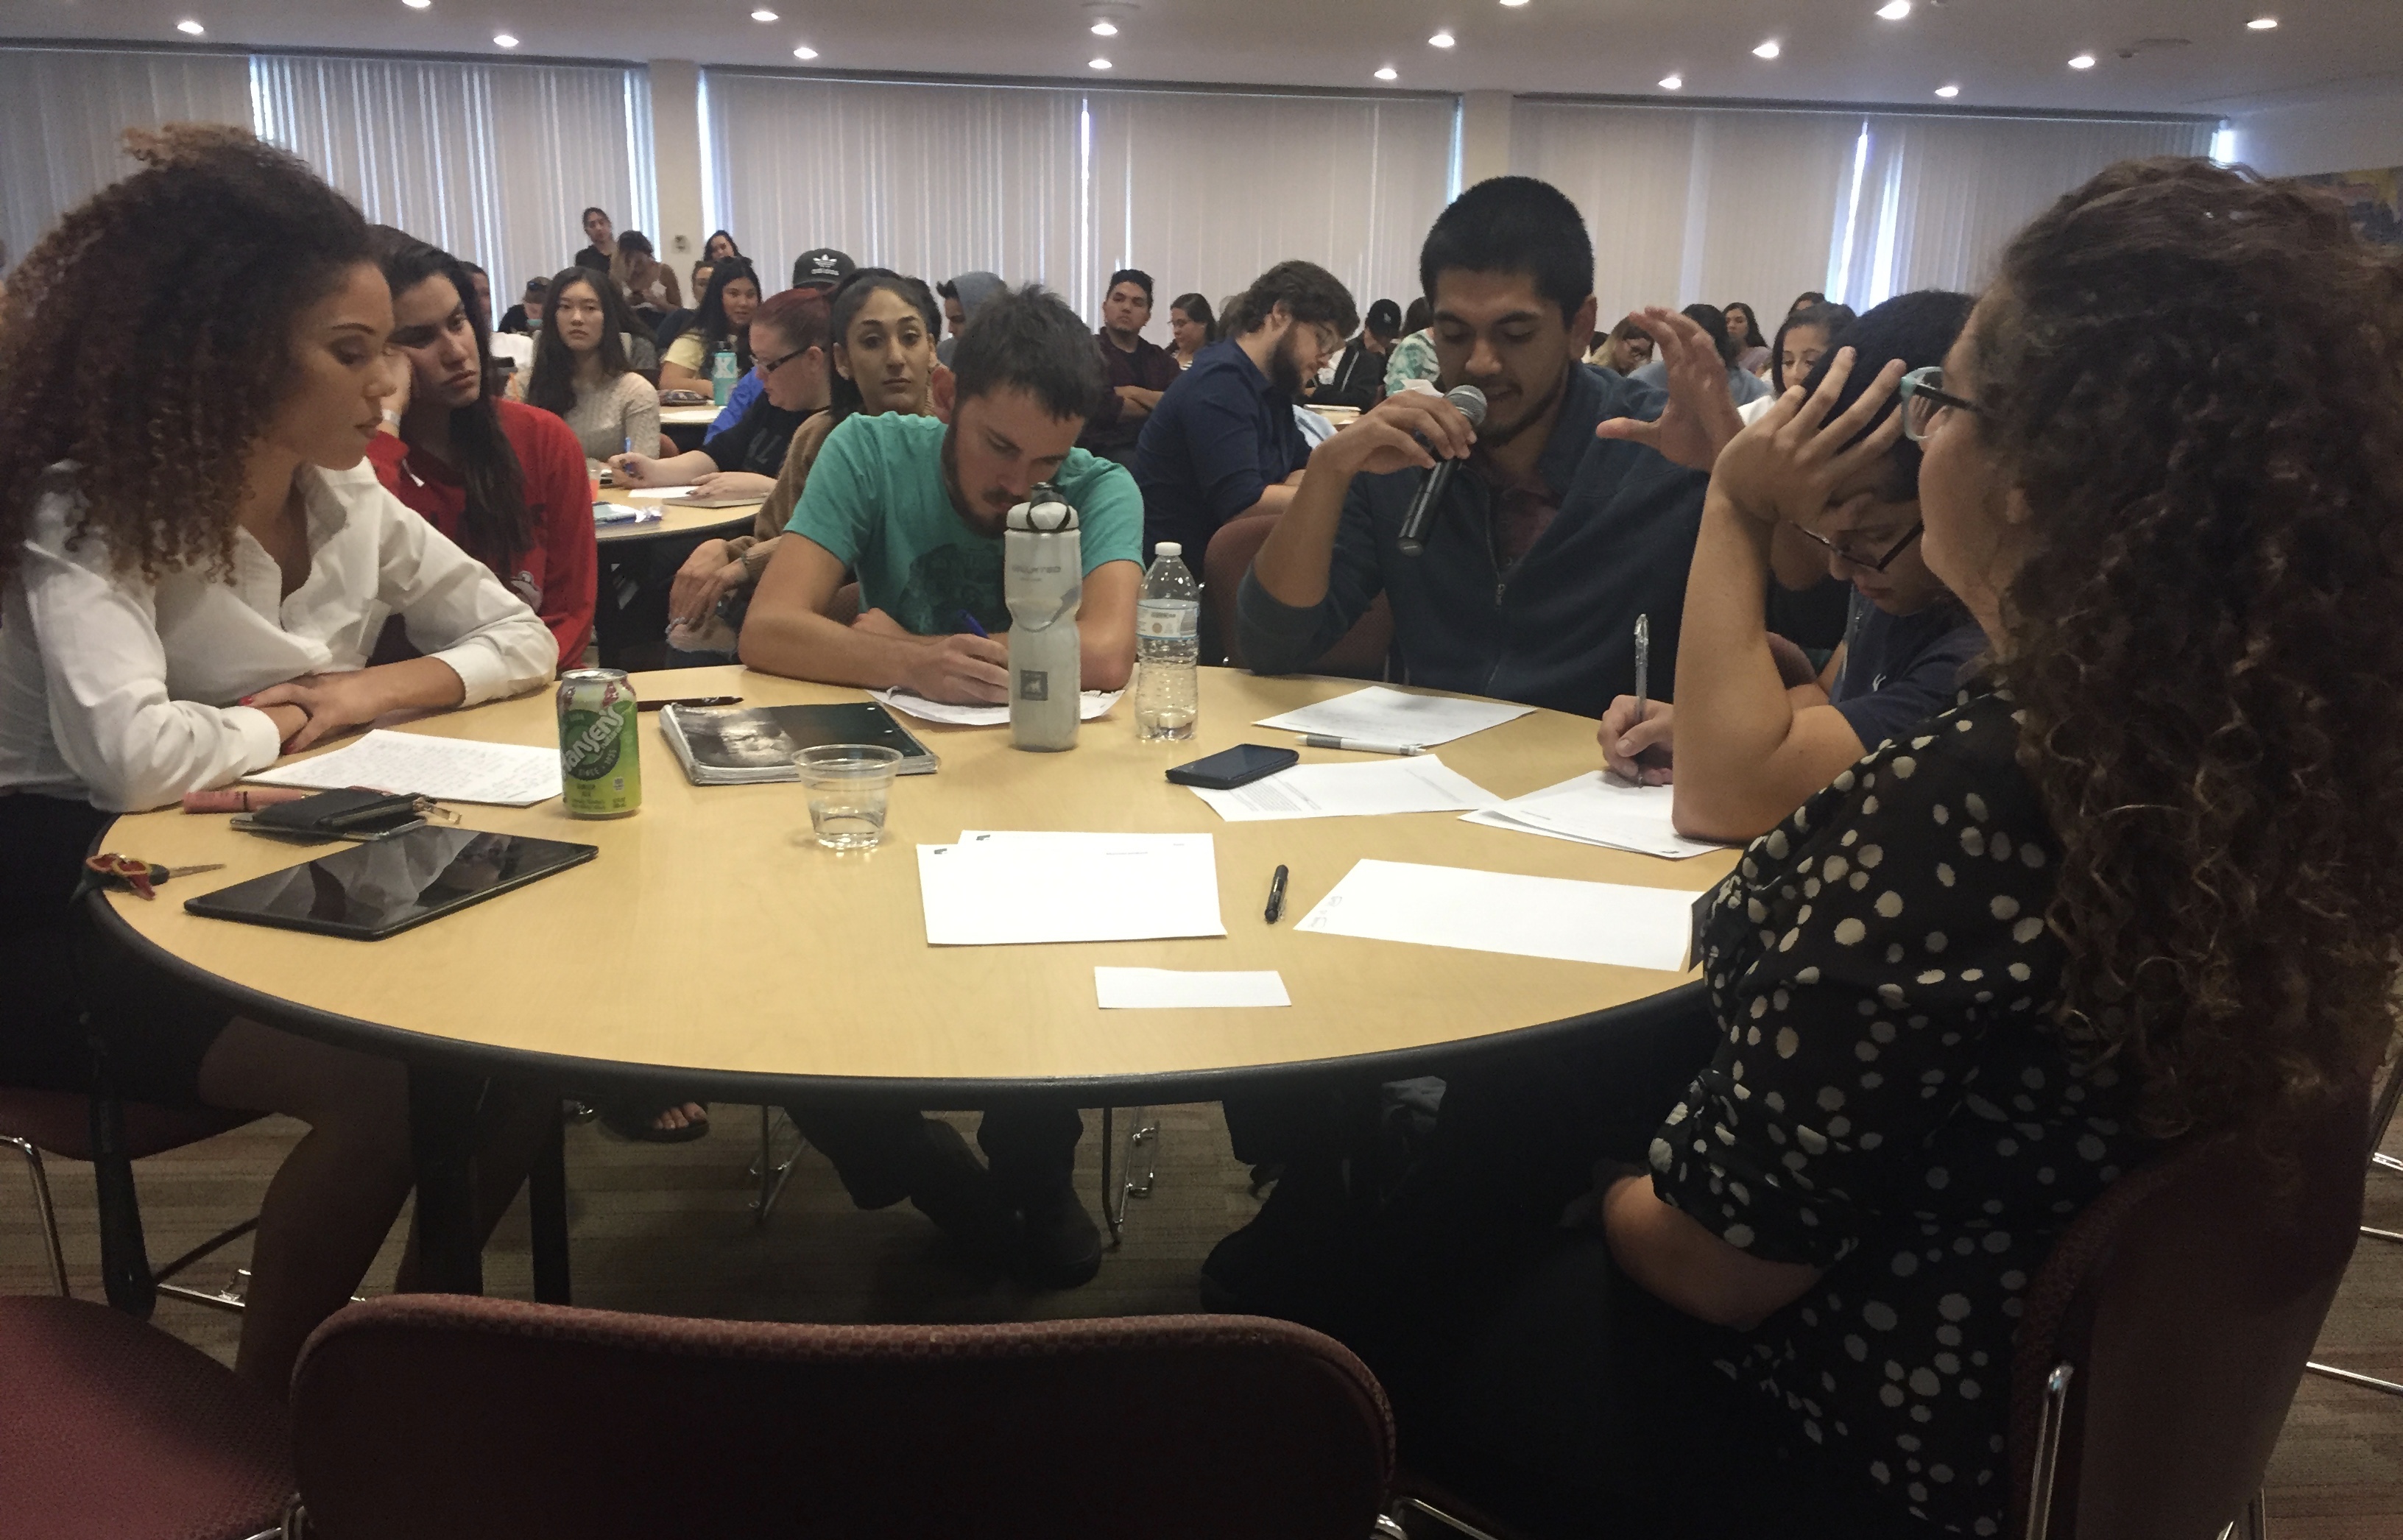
1576	511
1223	442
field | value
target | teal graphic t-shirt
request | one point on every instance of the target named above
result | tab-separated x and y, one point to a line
875	499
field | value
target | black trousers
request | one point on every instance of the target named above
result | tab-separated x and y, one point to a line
879	1147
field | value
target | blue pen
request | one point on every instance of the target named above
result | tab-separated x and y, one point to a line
970	621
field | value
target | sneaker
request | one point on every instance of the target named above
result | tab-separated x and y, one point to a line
1061	1247
952	1188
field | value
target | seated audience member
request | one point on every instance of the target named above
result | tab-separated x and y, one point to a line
1625	350
1752	355
600	241
1805	336
723	320
1756	731
504	481
581	373
1191	328
1138	371
1360	370
883	325
1806	606
646	284
1742	385
2128	888
822	268
482	284
719	245
524	318
915	508
742	461
1808	297
1226	443
176	619
961	296
1413	356
1541	556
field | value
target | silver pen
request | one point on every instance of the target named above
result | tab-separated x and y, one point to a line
1642	667
1358	745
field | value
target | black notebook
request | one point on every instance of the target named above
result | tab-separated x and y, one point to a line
736	745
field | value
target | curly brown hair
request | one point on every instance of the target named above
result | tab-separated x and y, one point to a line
2195	378
148	336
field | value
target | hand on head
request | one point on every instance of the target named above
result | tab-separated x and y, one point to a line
1700	417
1790	462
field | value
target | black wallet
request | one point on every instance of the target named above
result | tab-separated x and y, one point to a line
355	813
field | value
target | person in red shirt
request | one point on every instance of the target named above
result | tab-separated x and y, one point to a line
504	481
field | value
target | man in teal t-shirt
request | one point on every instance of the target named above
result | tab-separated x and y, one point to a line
913	506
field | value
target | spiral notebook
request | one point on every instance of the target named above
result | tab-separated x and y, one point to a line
743	745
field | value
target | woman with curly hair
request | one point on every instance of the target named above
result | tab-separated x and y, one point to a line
184	600
2142	880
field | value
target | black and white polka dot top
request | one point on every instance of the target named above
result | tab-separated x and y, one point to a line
1893	1105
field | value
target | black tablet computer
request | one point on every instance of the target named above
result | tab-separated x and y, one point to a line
372	891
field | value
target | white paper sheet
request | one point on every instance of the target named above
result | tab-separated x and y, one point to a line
1597	808
448	770
1166	989
652	495
1094	704
1390	716
1500	911
1010	888
1422	783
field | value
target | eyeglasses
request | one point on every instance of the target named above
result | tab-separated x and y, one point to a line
1852	557
770	366
1922	398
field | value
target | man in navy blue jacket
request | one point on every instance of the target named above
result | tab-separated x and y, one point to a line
1576	511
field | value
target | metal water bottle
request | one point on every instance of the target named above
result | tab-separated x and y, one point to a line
1043	580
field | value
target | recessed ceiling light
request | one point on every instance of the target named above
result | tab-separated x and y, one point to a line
505	40
1514	4
1440	40
1947	92
417	5
805	51
2263	24
190	28
1389	73
1894	10
763	14
2083	61
1097	63
1768	50
1105	28
1672	82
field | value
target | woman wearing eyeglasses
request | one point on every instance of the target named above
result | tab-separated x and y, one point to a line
788	353
1750	741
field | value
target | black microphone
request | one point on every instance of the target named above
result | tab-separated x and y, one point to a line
1471	403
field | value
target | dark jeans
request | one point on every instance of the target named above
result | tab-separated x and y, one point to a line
879	1148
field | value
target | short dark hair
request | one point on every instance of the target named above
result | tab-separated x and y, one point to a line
1309	293
474	268
1132	275
636	241
591	212
1514	224
1029	339
1714	320
1383	321
948	289
1919	329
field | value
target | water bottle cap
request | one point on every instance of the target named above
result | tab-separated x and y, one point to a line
1167	548
1044	512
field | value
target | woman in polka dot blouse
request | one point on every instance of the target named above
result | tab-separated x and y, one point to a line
2140	879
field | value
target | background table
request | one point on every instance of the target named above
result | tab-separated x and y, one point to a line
696	524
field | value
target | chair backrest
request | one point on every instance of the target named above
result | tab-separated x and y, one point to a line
431	1414
2184	1303
1359	654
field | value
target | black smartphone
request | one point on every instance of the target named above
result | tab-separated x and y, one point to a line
1230	767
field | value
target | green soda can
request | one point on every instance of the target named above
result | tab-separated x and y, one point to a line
599	763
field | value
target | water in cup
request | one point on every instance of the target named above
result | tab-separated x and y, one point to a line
849	785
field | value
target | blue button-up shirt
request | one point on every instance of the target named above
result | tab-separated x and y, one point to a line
1223	434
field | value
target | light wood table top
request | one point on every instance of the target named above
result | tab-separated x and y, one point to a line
674	523
713	936
689	417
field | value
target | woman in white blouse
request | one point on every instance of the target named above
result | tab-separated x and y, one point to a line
194	568
581	371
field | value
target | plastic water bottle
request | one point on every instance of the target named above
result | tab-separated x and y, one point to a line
1168	648
1043	580
721	374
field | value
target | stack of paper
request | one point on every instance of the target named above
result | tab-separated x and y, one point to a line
1165	989
1500	911
1094	704
1390	716
1418	785
448	770
996	889
1597	808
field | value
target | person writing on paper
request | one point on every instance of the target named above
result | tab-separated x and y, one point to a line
1543	552
914	506
1755	730
178	609
787	349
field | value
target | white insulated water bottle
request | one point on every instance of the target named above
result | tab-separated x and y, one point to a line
1043	580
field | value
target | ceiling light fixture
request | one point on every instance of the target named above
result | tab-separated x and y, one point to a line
1097	63
805	52
1389	73
189	28
1894	11
763	14
1514	4
1105	28
2263	24
1947	92
1768	50
505	40
2083	61
1672	82
417	5
1441	40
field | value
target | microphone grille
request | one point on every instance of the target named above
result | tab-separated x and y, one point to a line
1471	402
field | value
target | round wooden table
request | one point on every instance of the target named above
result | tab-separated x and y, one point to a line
714	943
674	523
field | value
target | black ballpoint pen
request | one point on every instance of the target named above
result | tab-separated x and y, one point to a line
1276	896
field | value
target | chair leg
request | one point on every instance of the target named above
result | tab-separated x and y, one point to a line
1451	1522
1143	1131
42	1206
547	1214
2257	1518
2365	1381
773	1173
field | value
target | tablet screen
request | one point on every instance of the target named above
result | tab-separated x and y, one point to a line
376	890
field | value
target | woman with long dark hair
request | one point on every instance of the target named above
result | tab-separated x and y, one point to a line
581	373
1191	328
186	601
506	481
719	246
1752	351
723	320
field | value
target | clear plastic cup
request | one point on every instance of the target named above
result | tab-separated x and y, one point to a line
849	785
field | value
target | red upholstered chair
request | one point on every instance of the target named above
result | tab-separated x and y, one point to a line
113	1430
434	1414
2163	1340
1359	655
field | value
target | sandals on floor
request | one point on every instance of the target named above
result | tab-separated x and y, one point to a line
639	1121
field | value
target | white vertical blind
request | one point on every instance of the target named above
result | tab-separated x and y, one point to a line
64	111
933	180
492	163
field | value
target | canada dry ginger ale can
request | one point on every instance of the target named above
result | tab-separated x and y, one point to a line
600	767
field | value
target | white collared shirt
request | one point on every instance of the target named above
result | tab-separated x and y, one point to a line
123	692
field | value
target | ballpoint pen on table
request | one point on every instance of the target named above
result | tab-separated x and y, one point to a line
1276	896
1358	745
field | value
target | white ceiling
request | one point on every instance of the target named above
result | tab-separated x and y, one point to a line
1999	52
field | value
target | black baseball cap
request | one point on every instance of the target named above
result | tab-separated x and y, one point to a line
821	269
1384	318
